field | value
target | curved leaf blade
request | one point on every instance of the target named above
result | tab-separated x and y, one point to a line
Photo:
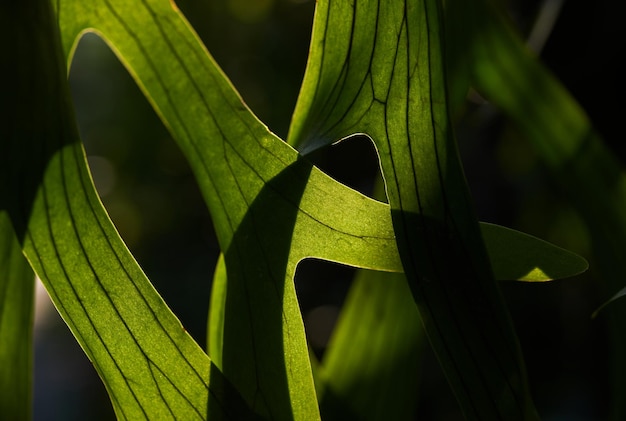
377	68
217	313
396	337
370	369
16	326
149	364
265	200
255	186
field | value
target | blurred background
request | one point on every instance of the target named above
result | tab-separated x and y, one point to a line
150	193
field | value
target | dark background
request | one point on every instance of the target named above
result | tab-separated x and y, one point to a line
262	46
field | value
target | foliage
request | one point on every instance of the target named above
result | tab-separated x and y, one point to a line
375	68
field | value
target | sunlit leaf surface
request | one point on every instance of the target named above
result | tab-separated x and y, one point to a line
375	346
270	207
151	367
370	369
377	68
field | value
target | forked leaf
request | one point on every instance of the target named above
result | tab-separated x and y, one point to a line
270	207
379	329
368	370
267	204
150	365
16	277
369	367
513	255
16	326
377	68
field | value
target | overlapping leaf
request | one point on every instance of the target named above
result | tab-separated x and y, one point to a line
383	74
379	330
266	202
369	370
270	206
150	365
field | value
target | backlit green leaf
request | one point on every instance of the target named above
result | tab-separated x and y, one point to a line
266	201
151	367
16	326
215	325
377	68
370	369
271	208
379	334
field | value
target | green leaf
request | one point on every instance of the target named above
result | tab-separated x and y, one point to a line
370	369
16	326
513	255
363	348
149	364
217	310
377	68
379	332
270	207
518	256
